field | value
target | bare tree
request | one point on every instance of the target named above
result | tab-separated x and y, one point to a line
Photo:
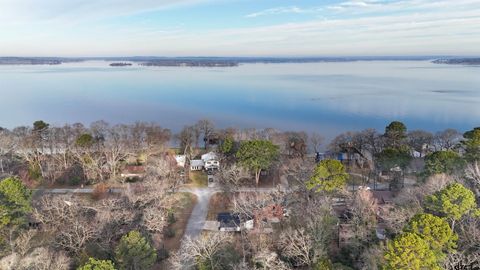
447	139
315	141
454	260
203	249
469	234
472	173
186	138
44	259
363	211
230	177
206	127
420	141
299	246
73	224
266	259
372	257
115	148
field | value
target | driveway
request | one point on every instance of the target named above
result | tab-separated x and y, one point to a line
199	213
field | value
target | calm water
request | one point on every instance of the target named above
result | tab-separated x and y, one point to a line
324	97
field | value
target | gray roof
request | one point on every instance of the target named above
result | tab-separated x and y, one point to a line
196	163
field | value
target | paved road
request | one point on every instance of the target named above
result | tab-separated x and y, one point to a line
199	213
74	190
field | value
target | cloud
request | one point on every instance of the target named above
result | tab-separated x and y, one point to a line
283	10
380	28
50	10
355	4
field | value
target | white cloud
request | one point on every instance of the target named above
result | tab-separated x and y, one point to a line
383	28
283	10
50	10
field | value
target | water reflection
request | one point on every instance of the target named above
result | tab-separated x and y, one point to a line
325	97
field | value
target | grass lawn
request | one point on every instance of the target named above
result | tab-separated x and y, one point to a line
198	179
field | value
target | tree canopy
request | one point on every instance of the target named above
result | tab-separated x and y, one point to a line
395	133
94	264
40	126
226	146
85	140
471	144
452	202
15	201
409	251
134	252
257	155
434	230
329	175
392	157
442	162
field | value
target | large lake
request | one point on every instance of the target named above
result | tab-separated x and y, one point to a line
324	97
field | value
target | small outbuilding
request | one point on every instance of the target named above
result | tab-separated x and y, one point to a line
228	222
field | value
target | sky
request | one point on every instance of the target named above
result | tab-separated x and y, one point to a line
239	27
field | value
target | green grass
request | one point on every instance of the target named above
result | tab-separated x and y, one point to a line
199	179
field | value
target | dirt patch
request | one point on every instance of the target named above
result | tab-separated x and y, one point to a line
219	203
181	213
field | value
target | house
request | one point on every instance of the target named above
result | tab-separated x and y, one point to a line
211	162
209	156
382	197
181	160
196	165
228	222
212	165
133	171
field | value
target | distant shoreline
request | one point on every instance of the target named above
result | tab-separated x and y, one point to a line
227	61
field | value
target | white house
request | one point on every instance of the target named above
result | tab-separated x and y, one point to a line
211	161
209	156
196	165
212	165
181	159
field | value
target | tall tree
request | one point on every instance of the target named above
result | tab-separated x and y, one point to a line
315	141
135	253
420	141
446	139
39	126
186	138
7	147
453	202
257	155
395	134
409	251
15	201
442	162
435	231
206	127
94	264
392	157
329	175
471	144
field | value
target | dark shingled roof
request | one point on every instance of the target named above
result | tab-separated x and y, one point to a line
228	220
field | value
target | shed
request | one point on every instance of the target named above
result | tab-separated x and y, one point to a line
228	222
